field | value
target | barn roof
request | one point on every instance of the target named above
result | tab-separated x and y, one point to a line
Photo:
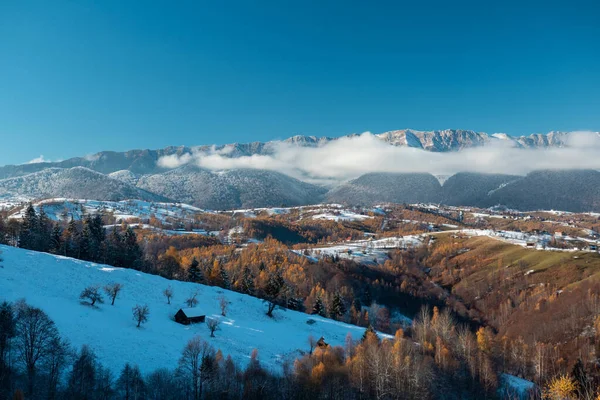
192	312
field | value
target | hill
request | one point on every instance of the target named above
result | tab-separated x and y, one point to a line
54	283
575	190
242	188
388	187
78	182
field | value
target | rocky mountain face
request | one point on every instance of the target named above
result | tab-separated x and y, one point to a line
145	161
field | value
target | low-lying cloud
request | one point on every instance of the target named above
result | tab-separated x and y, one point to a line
350	157
38	160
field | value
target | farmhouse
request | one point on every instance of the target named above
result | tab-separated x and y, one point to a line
188	316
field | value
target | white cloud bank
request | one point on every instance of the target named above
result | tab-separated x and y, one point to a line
350	157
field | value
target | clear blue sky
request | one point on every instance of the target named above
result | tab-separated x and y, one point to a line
77	77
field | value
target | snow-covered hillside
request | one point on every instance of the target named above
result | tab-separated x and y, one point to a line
77	182
64	209
54	283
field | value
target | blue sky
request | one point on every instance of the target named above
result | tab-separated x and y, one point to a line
77	77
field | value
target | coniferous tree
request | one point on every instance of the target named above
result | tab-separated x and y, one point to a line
369	330
319	307
194	273
29	229
56	242
337	308
44	231
72	239
224	278
247	284
132	252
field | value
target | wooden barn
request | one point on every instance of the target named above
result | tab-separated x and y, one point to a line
188	316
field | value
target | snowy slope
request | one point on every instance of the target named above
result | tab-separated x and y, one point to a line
63	209
53	283
77	182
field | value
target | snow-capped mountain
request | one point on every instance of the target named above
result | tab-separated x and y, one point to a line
146	161
173	173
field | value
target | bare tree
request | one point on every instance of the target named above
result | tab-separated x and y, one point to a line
192	301
140	314
112	291
224	304
92	293
213	325
191	363
36	334
58	357
312	343
168	293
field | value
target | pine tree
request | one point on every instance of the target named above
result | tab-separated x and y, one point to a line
85	242
72	242
56	242
224	278
369	330
29	228
337	308
319	308
247	285
44	231
194	274
132	251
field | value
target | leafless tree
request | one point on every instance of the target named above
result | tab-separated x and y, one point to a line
112	291
140	314
168	293
312	343
92	293
36	334
190	363
192	301
57	360
224	304
213	325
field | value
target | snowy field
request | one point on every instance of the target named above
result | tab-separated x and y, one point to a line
365	251
54	283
